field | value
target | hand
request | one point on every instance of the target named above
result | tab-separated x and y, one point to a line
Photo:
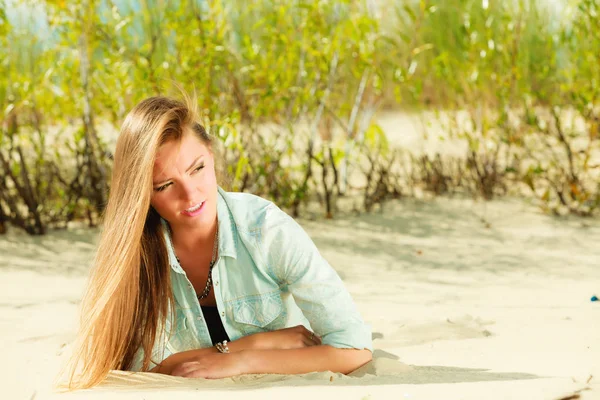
211	366
284	339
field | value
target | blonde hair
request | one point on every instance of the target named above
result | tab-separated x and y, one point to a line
129	291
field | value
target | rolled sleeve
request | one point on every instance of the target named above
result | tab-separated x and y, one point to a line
317	289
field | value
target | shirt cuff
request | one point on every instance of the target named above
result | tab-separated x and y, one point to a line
356	336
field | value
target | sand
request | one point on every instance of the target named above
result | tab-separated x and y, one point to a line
466	301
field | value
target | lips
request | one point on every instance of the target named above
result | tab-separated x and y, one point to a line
194	210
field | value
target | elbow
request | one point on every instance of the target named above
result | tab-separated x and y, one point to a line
356	359
364	357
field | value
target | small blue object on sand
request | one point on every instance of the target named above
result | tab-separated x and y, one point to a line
594	298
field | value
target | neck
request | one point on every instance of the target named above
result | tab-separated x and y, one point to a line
189	239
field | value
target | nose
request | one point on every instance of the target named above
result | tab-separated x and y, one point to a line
189	191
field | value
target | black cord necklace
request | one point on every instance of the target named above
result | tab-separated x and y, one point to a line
213	260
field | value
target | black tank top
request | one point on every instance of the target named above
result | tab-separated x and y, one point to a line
215	326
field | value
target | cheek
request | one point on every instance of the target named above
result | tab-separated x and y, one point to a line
212	179
208	179
159	202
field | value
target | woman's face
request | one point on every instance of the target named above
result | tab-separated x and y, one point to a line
184	190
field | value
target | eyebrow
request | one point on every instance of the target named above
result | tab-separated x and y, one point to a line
192	165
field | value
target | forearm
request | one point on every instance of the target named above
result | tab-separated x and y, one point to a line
304	360
166	366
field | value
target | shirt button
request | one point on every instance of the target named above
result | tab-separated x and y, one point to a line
223	313
199	318
216	283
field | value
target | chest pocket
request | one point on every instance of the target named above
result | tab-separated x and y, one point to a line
259	313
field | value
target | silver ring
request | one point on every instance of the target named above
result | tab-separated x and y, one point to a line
312	335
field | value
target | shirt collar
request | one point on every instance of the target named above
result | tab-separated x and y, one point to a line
227	239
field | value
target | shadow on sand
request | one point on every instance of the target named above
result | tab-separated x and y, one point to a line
384	369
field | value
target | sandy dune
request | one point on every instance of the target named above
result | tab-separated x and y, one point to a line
466	301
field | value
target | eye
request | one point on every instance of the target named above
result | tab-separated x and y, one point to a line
163	187
199	168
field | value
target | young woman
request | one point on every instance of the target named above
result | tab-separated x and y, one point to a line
191	280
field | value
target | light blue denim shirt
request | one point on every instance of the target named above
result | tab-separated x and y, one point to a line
264	257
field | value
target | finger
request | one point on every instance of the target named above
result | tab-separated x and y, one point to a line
309	341
185	368
193	370
314	338
197	373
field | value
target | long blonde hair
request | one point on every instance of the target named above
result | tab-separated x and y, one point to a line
129	291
